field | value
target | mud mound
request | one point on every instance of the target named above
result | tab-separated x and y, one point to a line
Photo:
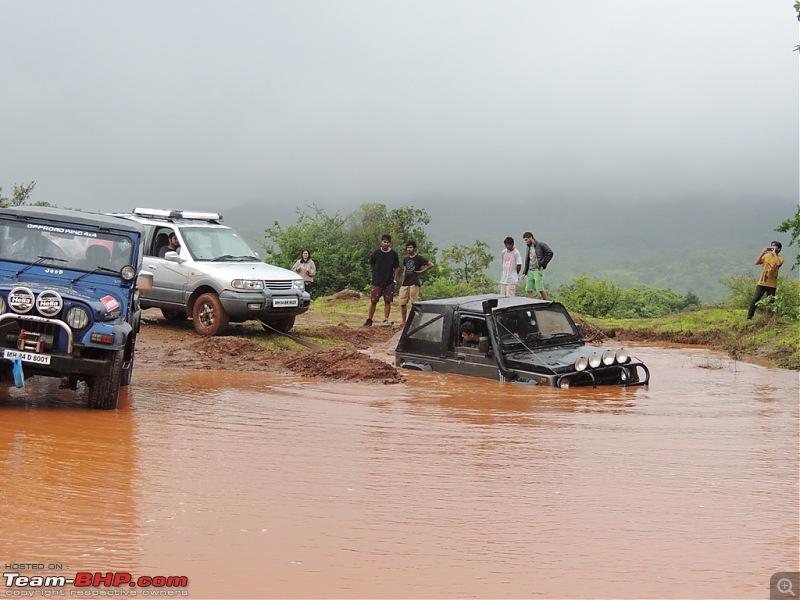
343	365
590	332
359	337
347	295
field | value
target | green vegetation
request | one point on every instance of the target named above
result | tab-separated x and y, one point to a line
21	195
792	226
766	336
604	298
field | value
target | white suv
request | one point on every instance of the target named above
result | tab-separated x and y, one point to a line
214	277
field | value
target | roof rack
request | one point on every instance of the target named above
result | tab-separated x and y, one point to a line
171	214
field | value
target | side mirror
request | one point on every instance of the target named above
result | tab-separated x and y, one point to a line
483	345
174	257
144	281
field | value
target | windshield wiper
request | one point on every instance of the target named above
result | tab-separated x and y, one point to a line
560	334
231	258
39	261
97	270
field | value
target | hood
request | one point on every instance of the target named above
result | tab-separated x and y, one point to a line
248	270
556	359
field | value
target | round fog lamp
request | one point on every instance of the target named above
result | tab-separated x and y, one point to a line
594	360
581	363
608	357
564	383
623	356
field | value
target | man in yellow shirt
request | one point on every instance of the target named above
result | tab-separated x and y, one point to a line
768	281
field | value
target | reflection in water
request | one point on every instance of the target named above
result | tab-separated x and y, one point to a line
262	486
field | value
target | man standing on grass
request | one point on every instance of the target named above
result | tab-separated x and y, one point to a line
414	265
384	263
768	281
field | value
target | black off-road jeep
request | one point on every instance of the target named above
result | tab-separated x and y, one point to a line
69	308
528	341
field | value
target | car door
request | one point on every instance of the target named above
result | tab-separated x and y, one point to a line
169	277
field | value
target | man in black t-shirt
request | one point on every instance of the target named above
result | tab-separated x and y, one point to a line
414	265
384	263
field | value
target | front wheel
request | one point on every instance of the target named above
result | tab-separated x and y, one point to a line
127	364
283	325
104	391
209	316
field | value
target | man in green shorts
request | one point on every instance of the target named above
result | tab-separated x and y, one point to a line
536	259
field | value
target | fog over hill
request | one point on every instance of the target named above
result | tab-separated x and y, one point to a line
686	245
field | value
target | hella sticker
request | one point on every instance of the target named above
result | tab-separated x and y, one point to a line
20	300
49	303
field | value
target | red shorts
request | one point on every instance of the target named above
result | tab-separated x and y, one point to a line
386	291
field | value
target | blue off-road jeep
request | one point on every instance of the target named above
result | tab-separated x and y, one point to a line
69	307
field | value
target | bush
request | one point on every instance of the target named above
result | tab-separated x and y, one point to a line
444	287
604	298
785	305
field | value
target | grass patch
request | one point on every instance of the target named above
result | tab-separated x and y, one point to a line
766	336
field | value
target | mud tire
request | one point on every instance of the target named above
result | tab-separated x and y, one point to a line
283	325
129	356
104	391
208	315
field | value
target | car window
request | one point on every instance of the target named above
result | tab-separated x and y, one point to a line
425	326
554	321
64	247
206	243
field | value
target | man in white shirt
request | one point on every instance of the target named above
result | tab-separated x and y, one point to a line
512	264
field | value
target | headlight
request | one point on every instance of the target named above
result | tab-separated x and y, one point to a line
247	284
581	363
3	305
594	360
127	273
623	356
77	318
564	383
608	357
623	375
299	285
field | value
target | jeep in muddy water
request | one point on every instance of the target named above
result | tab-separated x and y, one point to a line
69	308
521	340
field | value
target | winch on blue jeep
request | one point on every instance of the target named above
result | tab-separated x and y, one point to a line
69	306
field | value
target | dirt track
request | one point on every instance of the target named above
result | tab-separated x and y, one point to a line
179	346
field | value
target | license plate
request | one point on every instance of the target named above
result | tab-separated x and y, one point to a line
39	359
280	302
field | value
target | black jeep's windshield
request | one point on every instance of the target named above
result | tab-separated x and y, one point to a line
539	326
64	247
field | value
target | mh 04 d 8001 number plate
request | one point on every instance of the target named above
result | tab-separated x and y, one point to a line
39	359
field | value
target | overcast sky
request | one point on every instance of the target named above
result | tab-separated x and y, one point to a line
203	104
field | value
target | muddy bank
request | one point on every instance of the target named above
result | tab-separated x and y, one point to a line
363	354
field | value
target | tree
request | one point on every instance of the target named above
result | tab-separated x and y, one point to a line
467	262
341	245
20	195
792	227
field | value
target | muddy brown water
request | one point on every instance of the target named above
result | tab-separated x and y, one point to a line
265	486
